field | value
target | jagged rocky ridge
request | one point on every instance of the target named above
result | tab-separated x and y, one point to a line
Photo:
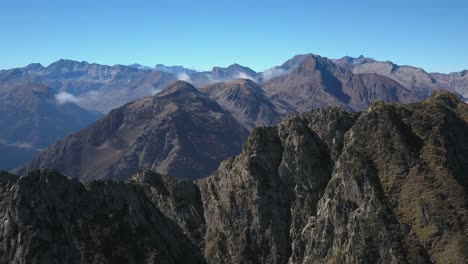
387	185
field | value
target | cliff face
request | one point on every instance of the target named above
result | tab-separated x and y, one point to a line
388	185
48	218
398	190
254	203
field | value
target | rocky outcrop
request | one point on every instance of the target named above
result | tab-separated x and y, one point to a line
48	218
398	192
387	185
254	202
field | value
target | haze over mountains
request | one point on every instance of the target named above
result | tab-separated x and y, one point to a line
31	120
79	92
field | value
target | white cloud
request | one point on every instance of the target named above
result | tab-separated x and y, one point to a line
183	77
64	97
243	75
272	73
94	95
210	79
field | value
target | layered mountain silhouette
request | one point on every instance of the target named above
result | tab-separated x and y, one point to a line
415	79
386	185
318	82
179	132
300	84
103	88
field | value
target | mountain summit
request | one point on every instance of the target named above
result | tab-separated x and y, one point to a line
178	131
318	82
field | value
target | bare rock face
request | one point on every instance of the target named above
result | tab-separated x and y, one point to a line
387	185
177	199
456	81
179	132
253	203
48	218
398	192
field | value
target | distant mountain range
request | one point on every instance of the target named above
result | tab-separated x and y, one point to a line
72	95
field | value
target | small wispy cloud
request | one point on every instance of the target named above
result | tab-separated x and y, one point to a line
272	73
64	97
184	77
94	95
243	75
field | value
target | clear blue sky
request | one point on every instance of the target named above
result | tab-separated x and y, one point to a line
259	34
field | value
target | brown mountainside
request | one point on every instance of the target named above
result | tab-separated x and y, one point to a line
179	132
319	82
246	101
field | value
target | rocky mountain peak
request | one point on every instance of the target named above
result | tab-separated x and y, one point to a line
350	62
239	67
67	65
307	66
312	63
445	98
245	85
34	67
178	88
232	71
173	69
